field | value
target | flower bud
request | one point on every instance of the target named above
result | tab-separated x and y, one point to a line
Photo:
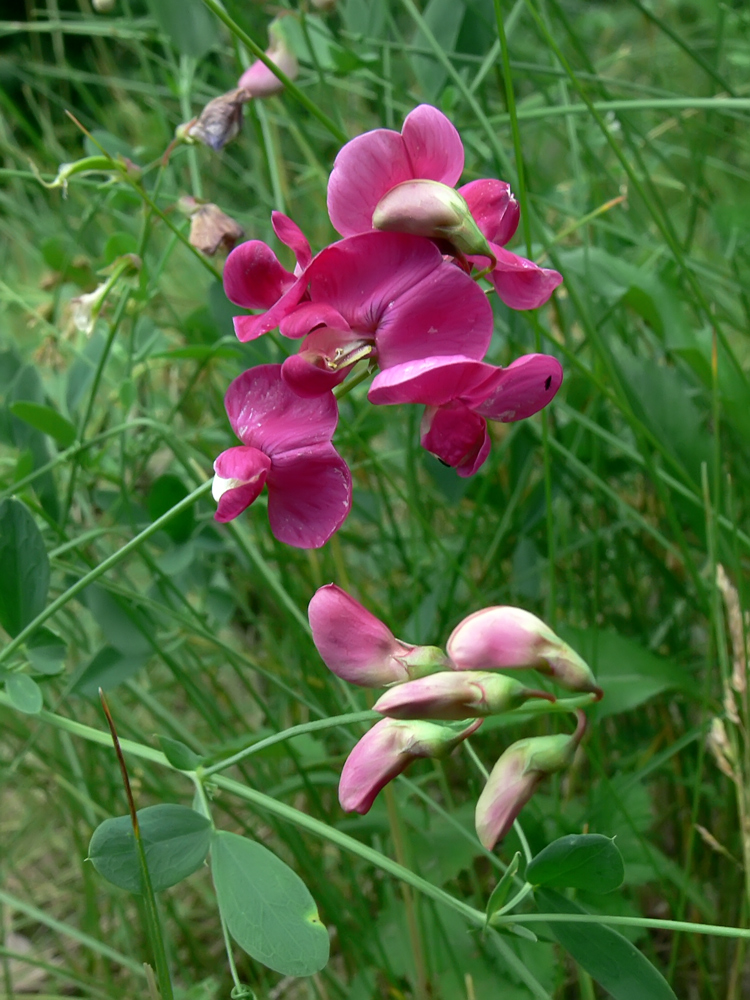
515	778
385	751
430	208
454	695
361	649
258	80
506	638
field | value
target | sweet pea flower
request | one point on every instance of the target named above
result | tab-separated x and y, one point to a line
501	637
386	750
461	394
286	445
378	181
258	80
454	695
358	647
515	778
255	279
388	296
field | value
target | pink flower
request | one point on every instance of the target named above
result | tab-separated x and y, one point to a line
455	695
286	445
461	394
254	279
515	778
385	751
361	649
500	638
428	148
258	80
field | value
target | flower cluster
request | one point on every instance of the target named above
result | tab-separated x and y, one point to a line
428	687
400	291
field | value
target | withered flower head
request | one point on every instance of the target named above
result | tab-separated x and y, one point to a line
210	228
220	121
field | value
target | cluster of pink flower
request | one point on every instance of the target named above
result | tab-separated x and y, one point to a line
427	684
400	291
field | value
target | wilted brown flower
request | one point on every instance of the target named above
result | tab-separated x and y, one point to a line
220	121
210	228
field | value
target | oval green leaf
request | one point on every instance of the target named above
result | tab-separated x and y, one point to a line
607	956
267	907
107	669
179	754
187	23
46	420
46	651
24	580
165	493
25	693
175	839
580	861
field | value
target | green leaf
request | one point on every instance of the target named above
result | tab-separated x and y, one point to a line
443	18
267	907
175	840
24	580
166	491
118	245
179	755
107	669
188	24
628	674
124	627
501	890
46	651
25	693
607	956
46	420
579	861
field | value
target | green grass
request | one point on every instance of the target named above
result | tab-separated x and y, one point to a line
624	132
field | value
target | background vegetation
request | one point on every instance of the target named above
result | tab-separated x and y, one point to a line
609	518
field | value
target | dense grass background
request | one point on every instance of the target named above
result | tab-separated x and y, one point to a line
608	518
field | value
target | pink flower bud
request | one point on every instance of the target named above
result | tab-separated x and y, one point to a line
431	208
451	695
505	638
361	649
515	778
258	80
385	751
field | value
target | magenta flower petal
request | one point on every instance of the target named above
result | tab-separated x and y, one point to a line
365	168
432	381
520	390
433	145
253	276
360	277
353	643
250	327
457	436
307	376
507	791
494	208
266	414
520	283
309	315
292	236
444	313
240	475
385	751
309	494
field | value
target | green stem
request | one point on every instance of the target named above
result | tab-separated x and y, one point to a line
288	734
101	569
258	52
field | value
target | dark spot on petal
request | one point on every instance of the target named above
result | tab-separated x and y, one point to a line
443	463
548	382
